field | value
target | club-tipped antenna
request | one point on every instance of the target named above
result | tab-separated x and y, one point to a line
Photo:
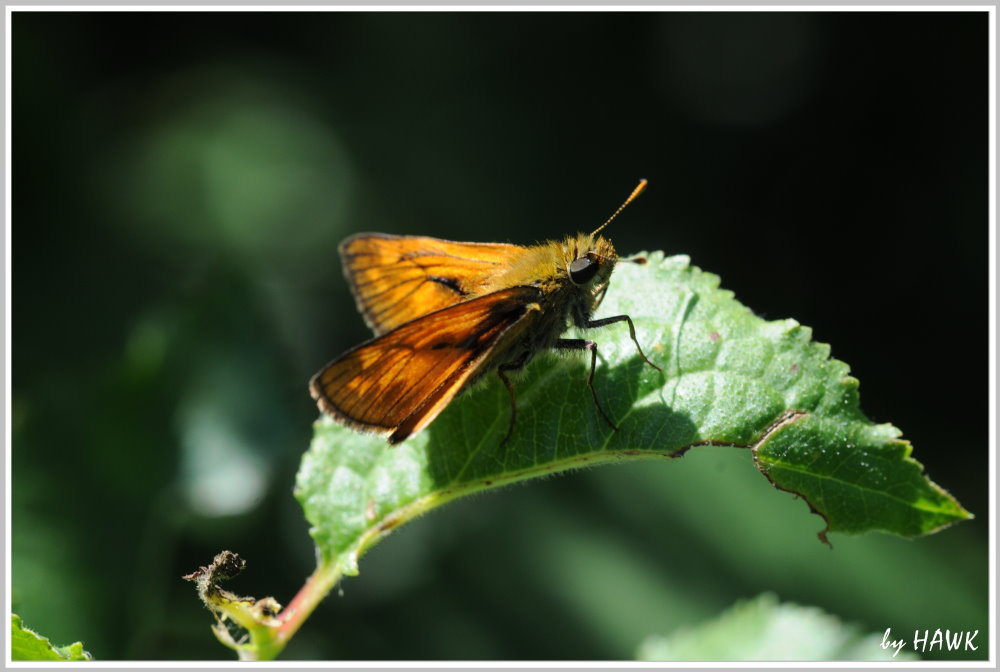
635	193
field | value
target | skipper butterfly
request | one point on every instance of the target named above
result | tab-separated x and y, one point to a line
446	313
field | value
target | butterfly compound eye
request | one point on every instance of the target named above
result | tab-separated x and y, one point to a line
582	270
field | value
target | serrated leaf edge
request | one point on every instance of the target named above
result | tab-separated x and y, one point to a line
791	417
64	652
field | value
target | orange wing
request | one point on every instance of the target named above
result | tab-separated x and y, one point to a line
401	380
398	278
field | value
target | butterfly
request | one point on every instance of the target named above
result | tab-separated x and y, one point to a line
447	313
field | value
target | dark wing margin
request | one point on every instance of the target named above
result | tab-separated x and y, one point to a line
397	383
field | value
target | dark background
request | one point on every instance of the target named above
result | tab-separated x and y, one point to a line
181	181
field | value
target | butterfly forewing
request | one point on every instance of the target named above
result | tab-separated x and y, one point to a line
396	279
401	380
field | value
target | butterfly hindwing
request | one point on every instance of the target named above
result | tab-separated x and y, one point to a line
398	382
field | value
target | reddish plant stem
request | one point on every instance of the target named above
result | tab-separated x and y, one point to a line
316	587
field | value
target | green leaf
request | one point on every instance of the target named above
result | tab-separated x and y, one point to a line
728	378
27	644
763	629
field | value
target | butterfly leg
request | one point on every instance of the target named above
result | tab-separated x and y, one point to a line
584	344
502	372
590	324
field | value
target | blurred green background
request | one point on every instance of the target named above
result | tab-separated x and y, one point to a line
181	181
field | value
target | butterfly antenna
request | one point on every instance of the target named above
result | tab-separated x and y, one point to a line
635	193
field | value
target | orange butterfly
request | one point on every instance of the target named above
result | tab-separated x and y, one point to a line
446	313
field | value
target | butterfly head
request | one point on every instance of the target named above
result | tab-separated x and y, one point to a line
589	260
592	257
